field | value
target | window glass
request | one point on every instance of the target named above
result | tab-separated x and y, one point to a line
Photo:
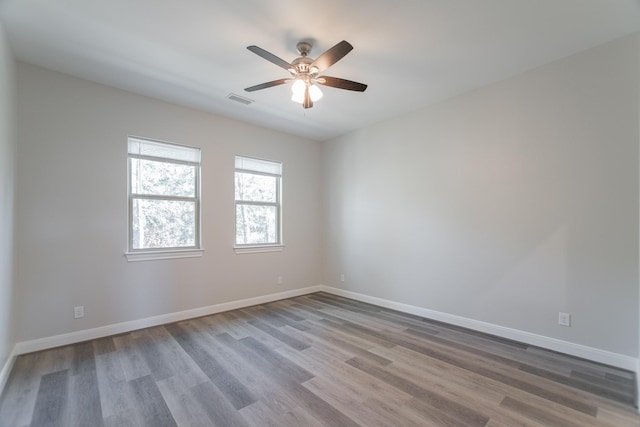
164	183
162	178
258	186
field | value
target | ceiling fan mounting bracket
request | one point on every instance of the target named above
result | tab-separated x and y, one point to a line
304	48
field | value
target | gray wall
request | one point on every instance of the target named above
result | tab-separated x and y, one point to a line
7	156
505	205
71	202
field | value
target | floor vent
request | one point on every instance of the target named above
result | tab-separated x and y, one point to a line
240	99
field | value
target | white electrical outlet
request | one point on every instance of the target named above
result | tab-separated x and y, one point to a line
78	312
342	277
280	280
564	319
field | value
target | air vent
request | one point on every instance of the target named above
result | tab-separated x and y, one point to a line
240	99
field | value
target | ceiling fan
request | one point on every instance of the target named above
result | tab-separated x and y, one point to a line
305	72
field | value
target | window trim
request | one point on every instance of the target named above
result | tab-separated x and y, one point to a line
277	246
148	254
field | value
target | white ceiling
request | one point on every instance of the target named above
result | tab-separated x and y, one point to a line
411	53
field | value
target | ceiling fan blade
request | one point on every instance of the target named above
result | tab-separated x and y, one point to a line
269	57
341	83
332	56
267	84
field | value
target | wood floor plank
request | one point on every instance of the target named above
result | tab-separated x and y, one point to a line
392	414
589	386
475	389
250	374
19	398
152	405
314	309
104	345
576	363
276	360
86	408
249	330
463	414
159	368
358	383
618	418
242	358
352	334
184	407
478	396
536	414
504	377
432	415
116	397
294	306
278	334
234	327
174	355
315	360
504	361
321	409
603	381
260	414
236	392
291	315
217	407
133	363
346	403
51	404
123	419
349	347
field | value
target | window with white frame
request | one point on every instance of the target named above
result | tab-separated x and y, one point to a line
258	188
164	196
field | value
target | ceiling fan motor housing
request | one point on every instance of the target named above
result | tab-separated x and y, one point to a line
304	48
303	65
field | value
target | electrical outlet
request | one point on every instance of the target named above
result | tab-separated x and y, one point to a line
280	280
564	319
78	312
342	277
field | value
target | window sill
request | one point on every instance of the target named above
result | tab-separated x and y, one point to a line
156	255
257	249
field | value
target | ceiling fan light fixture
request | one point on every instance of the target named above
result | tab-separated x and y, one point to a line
298	88
315	93
298	97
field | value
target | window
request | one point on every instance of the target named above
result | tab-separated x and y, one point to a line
164	198
258	203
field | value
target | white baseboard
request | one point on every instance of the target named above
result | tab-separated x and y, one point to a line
578	350
6	369
119	328
638	385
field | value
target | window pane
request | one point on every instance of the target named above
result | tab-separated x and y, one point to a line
162	179
163	224
256	224
256	188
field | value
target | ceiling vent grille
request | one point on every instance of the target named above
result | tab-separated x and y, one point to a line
240	99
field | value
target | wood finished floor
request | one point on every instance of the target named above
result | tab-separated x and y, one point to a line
316	360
